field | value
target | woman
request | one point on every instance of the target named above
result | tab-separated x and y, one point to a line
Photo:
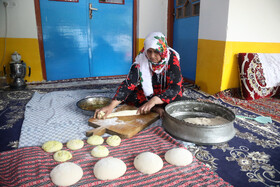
154	80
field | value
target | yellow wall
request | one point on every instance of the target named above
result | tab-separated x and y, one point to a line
210	59
217	66
140	44
28	48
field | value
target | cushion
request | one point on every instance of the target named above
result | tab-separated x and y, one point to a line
252	80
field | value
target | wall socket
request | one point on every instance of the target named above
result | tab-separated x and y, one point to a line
9	3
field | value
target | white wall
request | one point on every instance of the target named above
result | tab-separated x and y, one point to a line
21	19
213	19
254	21
152	16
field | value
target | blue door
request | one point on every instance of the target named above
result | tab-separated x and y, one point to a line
185	35
78	45
111	37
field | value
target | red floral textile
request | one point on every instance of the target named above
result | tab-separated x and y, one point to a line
252	80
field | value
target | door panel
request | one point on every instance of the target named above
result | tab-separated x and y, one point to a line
111	38
65	39
185	35
77	47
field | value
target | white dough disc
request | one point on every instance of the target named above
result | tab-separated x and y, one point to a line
75	144
66	174
95	140
109	168
100	151
52	146
114	140
148	163
178	157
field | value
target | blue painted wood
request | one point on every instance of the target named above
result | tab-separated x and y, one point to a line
77	47
185	38
65	38
111	41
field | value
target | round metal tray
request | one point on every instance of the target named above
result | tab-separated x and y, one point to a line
198	133
88	105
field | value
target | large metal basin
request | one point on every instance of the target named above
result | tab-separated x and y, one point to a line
174	124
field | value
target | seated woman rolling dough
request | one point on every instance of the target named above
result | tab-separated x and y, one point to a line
154	80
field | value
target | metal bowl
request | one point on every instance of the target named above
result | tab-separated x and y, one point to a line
198	133
88	105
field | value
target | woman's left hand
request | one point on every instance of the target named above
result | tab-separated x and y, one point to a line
146	108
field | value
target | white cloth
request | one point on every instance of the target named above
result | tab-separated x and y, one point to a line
271	68
55	116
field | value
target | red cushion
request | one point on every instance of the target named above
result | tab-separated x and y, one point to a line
253	85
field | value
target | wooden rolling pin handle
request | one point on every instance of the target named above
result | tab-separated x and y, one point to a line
97	131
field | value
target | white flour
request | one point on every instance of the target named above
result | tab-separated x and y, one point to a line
207	121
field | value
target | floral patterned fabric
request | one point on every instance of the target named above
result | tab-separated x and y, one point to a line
252	79
131	90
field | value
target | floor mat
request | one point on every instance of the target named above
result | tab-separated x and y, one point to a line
31	166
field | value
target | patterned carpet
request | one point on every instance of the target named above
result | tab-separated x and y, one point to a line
251	158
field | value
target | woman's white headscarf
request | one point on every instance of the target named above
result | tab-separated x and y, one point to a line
157	41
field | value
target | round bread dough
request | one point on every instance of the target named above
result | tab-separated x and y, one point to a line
52	146
148	163
114	140
100	115
100	151
75	144
109	168
62	156
95	140
178	157
66	174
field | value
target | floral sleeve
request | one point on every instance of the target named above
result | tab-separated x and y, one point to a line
174	81
129	84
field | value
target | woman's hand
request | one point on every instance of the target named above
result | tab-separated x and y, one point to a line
106	110
146	108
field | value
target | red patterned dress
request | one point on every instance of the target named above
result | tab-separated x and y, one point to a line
167	87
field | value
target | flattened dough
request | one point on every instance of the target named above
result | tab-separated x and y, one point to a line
114	140
178	157
52	146
75	144
66	174
95	140
62	156
109	168
207	121
148	163
100	151
123	113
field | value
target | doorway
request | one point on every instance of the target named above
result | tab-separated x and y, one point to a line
80	42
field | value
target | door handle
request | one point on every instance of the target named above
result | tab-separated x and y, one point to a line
90	10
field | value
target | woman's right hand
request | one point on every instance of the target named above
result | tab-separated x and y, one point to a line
107	110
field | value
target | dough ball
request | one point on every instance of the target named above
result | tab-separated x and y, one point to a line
62	156
75	144
66	174
178	157
52	146
114	140
100	151
109	168
148	163
95	140
100	115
